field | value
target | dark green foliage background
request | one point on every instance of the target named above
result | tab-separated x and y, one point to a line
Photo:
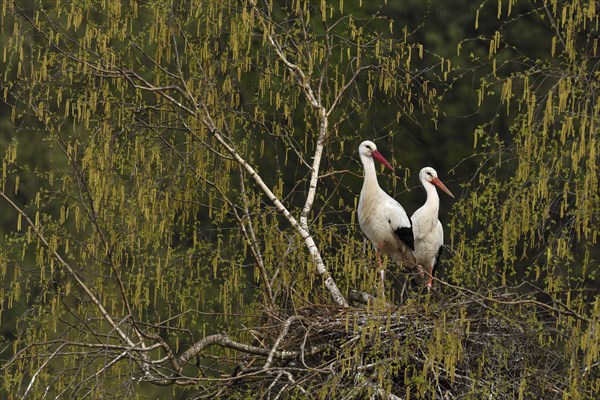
130	185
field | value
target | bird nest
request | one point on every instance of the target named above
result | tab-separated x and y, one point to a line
444	346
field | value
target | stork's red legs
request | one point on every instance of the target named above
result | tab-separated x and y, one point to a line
430	275
430	280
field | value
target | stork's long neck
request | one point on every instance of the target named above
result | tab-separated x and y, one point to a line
370	184
432	204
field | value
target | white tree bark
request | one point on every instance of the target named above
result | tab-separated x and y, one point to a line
309	241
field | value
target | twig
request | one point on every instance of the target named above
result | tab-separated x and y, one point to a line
284	331
71	271
253	242
40	369
567	310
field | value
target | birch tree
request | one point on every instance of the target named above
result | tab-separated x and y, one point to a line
178	190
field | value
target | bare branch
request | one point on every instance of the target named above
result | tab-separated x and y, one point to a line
346	86
563	309
322	118
224	341
40	369
253	242
71	271
284	331
308	239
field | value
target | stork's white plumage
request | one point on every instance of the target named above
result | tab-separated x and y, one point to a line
427	228
381	218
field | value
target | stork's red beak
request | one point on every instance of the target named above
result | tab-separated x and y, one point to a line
438	183
377	155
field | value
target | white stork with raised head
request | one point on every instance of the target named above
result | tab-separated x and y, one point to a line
427	228
382	219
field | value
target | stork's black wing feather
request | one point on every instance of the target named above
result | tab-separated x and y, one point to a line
438	258
406	235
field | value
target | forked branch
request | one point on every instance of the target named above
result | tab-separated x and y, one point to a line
313	250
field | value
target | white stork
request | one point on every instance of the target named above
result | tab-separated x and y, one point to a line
382	219
427	228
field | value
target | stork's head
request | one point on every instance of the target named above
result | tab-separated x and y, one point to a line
369	149
429	175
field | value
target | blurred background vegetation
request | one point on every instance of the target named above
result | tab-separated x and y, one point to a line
501	98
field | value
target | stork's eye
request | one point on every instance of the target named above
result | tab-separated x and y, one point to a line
429	173
368	147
